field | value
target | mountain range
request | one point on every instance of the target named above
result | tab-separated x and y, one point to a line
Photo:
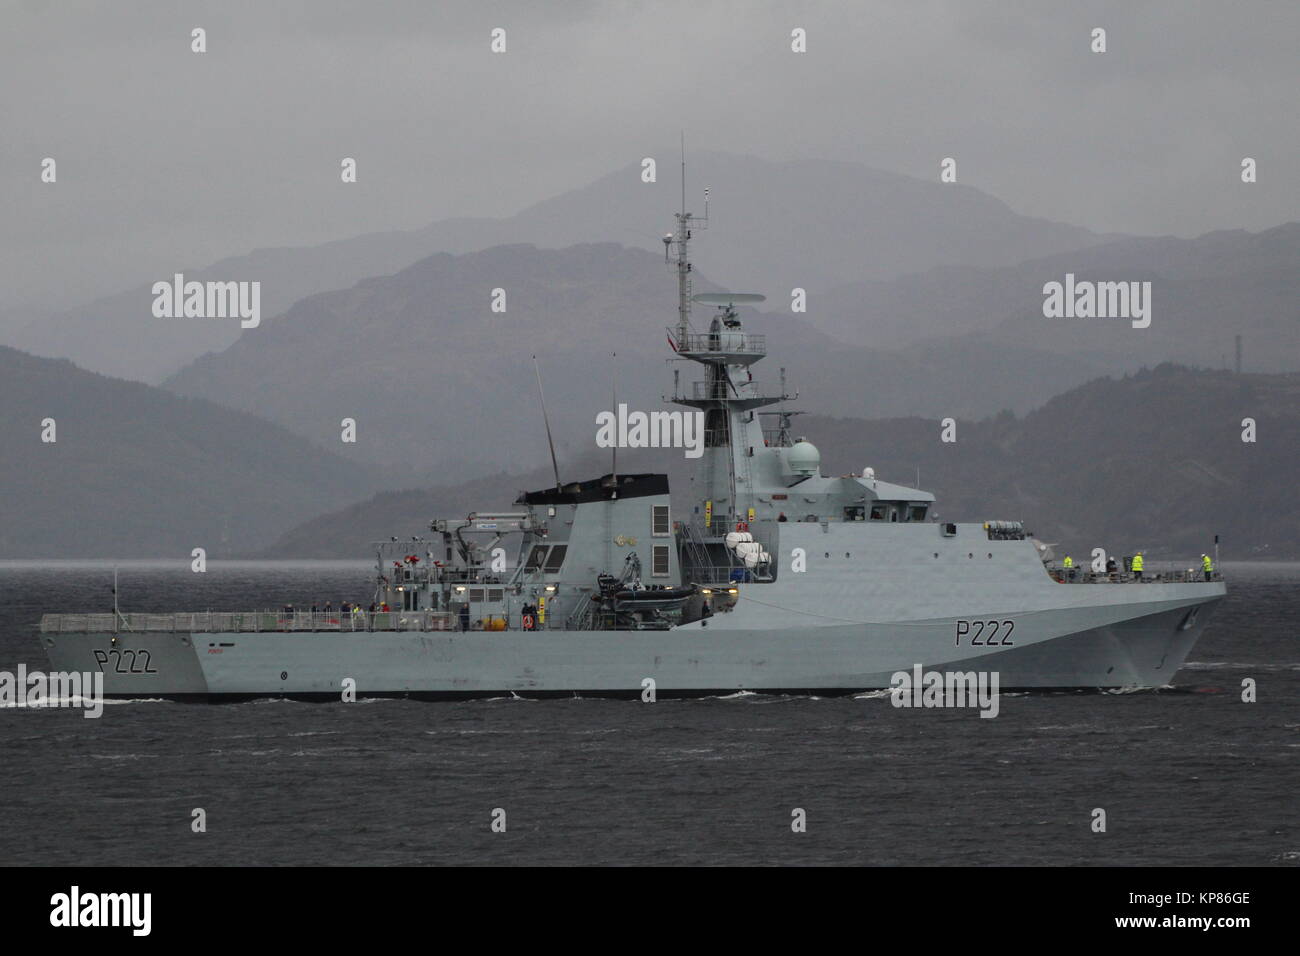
811	224
136	471
446	388
924	302
1152	461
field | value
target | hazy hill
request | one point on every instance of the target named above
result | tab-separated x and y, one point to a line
141	472
444	388
1153	461
809	223
1204	291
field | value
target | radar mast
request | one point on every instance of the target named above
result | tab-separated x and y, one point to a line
677	253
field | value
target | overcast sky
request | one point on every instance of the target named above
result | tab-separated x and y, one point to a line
169	159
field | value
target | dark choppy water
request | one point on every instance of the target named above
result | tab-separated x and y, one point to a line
1185	777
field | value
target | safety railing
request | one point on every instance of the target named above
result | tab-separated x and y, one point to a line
252	621
721	576
723	342
721	391
1148	576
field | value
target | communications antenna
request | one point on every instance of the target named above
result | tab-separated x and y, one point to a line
676	253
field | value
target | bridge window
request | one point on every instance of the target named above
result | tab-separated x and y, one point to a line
536	557
917	513
660	526
556	558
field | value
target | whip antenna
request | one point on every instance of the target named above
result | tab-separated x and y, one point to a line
546	419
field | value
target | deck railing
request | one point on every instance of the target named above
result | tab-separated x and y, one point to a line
253	621
1150	576
733	342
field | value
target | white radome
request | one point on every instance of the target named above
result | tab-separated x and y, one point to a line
803	458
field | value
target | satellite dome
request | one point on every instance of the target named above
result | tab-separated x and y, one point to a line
803	458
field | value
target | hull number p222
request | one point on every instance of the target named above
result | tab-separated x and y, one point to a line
985	633
125	661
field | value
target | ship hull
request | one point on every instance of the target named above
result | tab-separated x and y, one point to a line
1114	641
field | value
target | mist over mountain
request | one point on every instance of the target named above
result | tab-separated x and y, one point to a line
136	471
1152	461
1204	292
810	224
438	382
450	387
443	388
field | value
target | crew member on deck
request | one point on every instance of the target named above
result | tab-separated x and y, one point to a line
1137	566
1207	566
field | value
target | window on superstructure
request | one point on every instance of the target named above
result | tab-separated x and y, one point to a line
475	595
917	513
496	594
556	558
536	557
659	561
660	525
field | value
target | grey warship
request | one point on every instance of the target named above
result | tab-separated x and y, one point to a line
779	580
